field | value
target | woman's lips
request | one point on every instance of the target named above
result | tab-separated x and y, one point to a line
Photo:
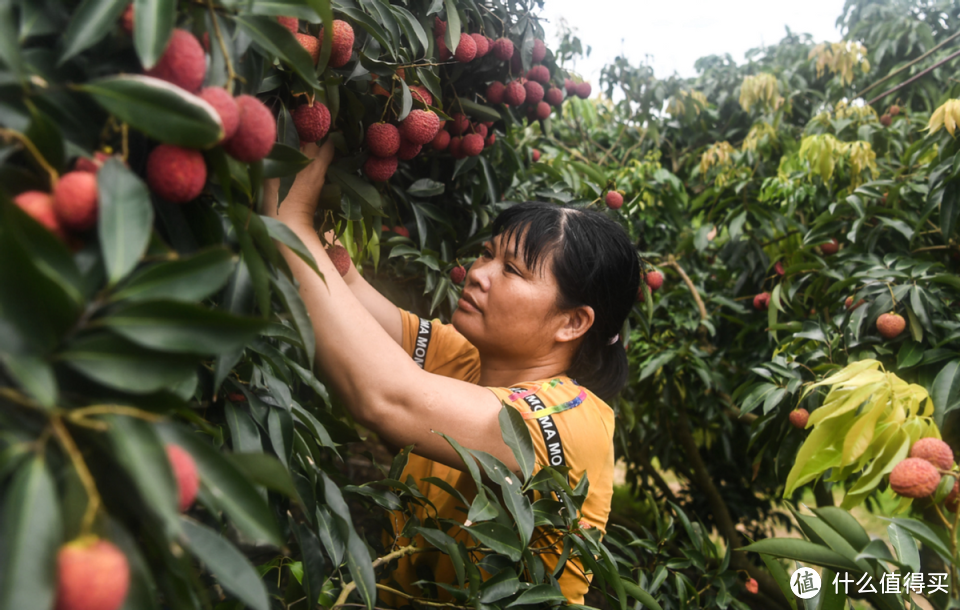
467	303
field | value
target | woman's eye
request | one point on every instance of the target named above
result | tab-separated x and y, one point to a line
487	254
512	269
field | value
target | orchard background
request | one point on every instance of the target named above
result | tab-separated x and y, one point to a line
154	346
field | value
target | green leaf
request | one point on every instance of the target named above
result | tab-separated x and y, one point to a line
498	537
803	551
34	375
479	111
514	431
279	42
32	531
904	546
425	187
266	470
911	353
159	109
540	594
359	190
182	327
946	390
286	236
517	503
283	161
641	596
126	219
9	40
452	35
298	311
92	20
152	25
188	279
231	568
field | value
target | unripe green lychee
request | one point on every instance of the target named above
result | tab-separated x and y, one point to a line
226	107
75	200
914	478
176	174
934	451
185	472
799	417
92	574
891	325
183	63
341	259
256	132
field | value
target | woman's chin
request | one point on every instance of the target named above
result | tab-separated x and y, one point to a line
463	323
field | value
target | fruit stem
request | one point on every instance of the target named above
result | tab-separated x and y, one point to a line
672	262
86	479
77	415
9	134
231	75
953	541
125	142
402	551
892	298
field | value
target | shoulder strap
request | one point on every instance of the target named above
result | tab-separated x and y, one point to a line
424	331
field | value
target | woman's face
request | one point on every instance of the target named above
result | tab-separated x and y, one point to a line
508	309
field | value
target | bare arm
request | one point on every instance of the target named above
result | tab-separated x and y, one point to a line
379	306
380	384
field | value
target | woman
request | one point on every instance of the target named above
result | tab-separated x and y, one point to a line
541	308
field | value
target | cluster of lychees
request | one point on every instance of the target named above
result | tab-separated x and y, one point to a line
94	573
919	475
654	280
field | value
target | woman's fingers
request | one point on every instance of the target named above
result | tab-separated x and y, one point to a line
301	201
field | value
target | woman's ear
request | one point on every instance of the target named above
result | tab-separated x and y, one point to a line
578	322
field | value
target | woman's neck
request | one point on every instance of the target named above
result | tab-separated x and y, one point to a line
503	373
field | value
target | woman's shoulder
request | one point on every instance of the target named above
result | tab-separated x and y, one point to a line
564	401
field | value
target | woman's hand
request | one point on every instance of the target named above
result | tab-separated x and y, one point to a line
301	202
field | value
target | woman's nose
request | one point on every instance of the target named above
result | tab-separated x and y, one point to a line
479	274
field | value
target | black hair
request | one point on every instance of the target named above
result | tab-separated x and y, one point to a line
595	265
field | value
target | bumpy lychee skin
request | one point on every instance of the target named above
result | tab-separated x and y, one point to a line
439	27
75	200
408	150
654	280
514	94
483	44
542	111
341	259
176	174
226	107
380	169
458	274
92	574
553	96
952	501
185	472
894	110
383	139
343	38
495	92
420	94
539	51
761	301
311	44
570	86
490	141
183	63
459	124
454	147
472	144
890	325
885	120
540	74
442	51
614	200
420	126
481	129
934	451
503	49
39	206
256	132
583	90
312	122
535	155
291	23
831	247
799	417
466	50
84	164
442	141
914	478
534	92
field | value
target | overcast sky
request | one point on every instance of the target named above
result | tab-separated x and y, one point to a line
677	33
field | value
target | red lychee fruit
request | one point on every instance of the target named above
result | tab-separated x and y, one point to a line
778	268
458	274
176	174
891	325
408	150
641	295
256	132
92	574
614	200
466	50
894	110
490	141
914	478
341	259
534	92
442	141
514	94
583	90
401	231
383	139
831	247
439	27
799	417
570	86
312	122
553	96
442	51
472	144
454	147
885	120
185	472
291	23
39	206
934	451
848	303
226	107
654	280
539	51
542	111
420	126
84	164
183	63
495	92
952	501
540	74
481	129
751	586
459	124
311	44
761	301
343	37
420	94
126	20
75	200
535	155
483	44
380	168
503	49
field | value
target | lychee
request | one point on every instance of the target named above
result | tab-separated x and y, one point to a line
641	295
399	230
914	478
799	417
553	96
514	94
176	174
442	141
495	92
778	268
226	107
420	126
85	164
752	586
75	200
761	301
341	259
831	247
570	86
503	49
311	44
39	206
459	124
383	139
291	23
885	120
420	94
534	92
848	303
490	141
891	325
481	129
540	74
457	274
654	280
894	110
542	111
539	51
126	20
614	200
408	150
466	50
442	51
312	122
934	451
583	90
483	44
472	144
185	472
439	27
92	574
454	147
342	49
256	132
380	168
183	63
535	155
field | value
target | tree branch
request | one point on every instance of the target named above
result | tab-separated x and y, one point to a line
672	262
913	79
